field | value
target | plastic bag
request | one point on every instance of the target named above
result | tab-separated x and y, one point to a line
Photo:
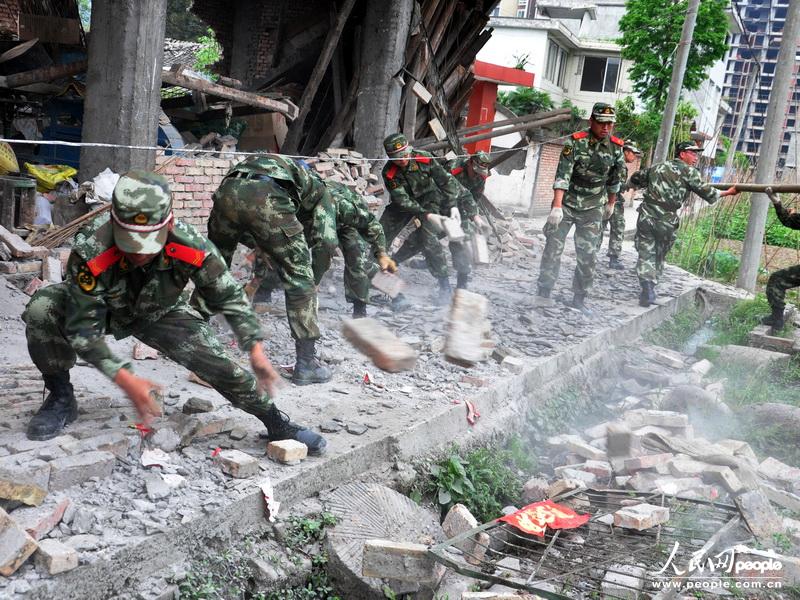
104	184
48	176
43	214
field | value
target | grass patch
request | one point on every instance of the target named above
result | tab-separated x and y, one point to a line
734	327
484	480
675	332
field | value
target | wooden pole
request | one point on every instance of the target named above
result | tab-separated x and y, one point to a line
778	188
331	41
498	132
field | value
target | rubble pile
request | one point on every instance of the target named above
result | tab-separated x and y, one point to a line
351	169
30	267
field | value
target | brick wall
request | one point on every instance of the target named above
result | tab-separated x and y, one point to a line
549	155
192	182
9	12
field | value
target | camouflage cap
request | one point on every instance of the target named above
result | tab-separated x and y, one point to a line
687	147
141	209
630	145
480	162
396	145
604	113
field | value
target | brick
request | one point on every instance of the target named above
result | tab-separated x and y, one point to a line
38	521
641	516
642	481
466	328
641	417
686	467
142	351
570	472
388	283
724	476
564	485
117	443
777	471
51	270
667	357
403	561
29	266
238	464
385	349
477	553
673	486
34	286
73	470
781	497
287	451
535	490
19	248
457	521
648	461
600	468
759	515
54	557
16	545
515	364
575	444
702	367
624	582
24	481
8	267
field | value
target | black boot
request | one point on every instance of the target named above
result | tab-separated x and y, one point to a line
445	291
263	295
359	309
308	369
400	303
280	427
59	408
579	302
648	294
614	263
775	320
461	281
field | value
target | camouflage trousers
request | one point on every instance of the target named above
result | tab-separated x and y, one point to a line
359	265
617	232
271	222
779	282
181	335
394	220
654	238
587	232
460	252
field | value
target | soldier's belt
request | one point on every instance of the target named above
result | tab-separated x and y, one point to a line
249	175
586	182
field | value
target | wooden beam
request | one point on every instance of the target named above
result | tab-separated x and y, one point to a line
331	41
175	77
43	75
499	132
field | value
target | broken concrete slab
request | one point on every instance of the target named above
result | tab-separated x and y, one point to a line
287	451
775	470
619	440
641	417
16	545
569	472
457	521
385	349
466	326
196	405
702	367
752	359
238	464
51	270
723	476
575	444
388	283
781	497
759	515
401	561
72	470
623	581
53	557
641	516
25	481
647	461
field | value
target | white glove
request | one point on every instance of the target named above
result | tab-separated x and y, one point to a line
480	223
607	211
773	197
455	215
436	221
555	216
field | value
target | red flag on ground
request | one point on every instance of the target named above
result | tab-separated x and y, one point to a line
537	517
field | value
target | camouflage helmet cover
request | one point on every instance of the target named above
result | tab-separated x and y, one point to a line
141	210
631	145
687	147
481	162
396	145
603	112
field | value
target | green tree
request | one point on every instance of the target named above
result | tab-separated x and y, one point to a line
208	54
526	101
740	160
182	23
642	127
651	30
85	12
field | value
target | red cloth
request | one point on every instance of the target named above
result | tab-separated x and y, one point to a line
537	517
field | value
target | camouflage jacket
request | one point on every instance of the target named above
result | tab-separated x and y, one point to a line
315	208
351	213
422	186
788	217
589	169
109	295
472	183
667	186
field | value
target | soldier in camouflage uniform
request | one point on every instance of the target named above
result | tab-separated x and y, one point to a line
666	187
421	188
784	279
617	219
289	215
590	172
127	276
358	231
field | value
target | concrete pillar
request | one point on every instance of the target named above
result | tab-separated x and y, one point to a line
386	26
123	81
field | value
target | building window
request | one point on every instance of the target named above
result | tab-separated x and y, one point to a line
600	74
522	9
556	63
495	11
